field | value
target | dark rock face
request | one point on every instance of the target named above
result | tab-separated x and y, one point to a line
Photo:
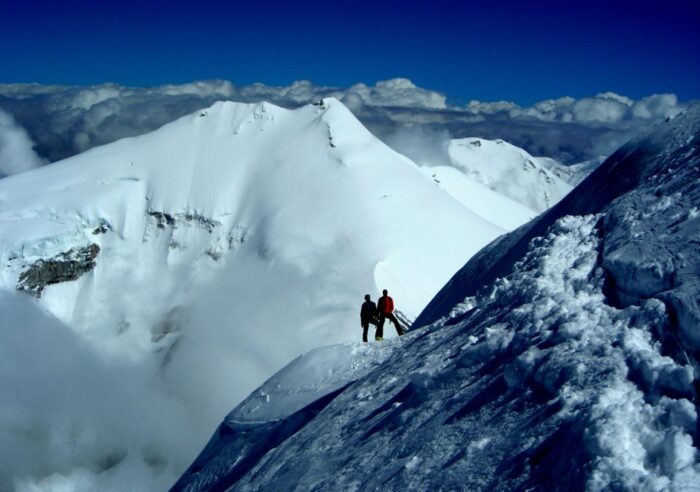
101	229
200	220
63	267
164	219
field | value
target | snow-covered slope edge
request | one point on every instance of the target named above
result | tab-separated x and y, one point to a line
184	267
509	171
574	173
660	164
574	367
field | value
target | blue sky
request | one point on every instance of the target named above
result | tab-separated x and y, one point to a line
519	51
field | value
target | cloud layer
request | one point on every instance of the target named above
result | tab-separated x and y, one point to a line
16	148
65	120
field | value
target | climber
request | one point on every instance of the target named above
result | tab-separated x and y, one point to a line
368	315
386	311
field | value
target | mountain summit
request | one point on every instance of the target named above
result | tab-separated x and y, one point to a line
175	271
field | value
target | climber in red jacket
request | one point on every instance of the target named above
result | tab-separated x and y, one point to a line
385	306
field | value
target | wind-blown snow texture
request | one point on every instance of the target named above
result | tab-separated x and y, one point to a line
564	356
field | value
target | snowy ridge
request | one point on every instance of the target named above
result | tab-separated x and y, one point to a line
186	266
495	207
564	356
508	170
250	173
573	174
655	163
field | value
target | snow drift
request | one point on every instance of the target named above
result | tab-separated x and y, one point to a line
563	356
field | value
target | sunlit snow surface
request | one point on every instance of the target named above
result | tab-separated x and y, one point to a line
509	171
230	241
573	367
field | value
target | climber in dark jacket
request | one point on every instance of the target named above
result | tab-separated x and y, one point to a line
386	311
368	315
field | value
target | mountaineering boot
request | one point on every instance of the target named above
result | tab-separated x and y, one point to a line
378	339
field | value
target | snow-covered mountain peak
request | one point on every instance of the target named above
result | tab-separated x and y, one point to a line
203	160
509	170
202	257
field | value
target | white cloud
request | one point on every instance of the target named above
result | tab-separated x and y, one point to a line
67	406
87	98
478	107
599	110
421	144
617	97
547	110
353	101
606	108
67	120
16	148
656	106
399	92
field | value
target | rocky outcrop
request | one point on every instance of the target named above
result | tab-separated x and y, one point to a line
163	219
63	267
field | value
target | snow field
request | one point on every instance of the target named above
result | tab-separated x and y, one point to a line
235	239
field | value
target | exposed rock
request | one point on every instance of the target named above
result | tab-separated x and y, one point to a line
102	229
237	236
63	267
162	218
214	254
193	218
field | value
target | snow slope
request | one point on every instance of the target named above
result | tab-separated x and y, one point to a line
494	207
186	266
573	174
508	170
564	356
